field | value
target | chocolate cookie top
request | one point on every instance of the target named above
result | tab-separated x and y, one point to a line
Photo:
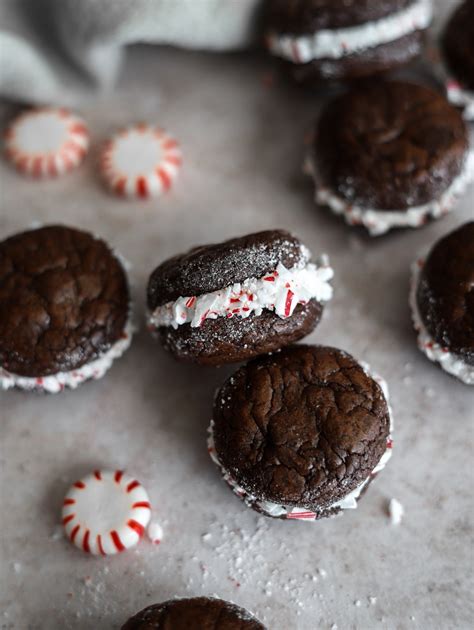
302	427
212	267
390	145
301	17
63	300
458	44
199	613
446	292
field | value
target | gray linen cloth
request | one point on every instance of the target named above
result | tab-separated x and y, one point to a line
59	50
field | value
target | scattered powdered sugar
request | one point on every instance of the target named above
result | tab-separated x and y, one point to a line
396	511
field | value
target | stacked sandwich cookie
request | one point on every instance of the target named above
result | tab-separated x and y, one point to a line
442	303
64	309
301	434
345	39
234	300
390	154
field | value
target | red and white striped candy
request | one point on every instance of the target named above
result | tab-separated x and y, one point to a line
141	161
106	512
46	142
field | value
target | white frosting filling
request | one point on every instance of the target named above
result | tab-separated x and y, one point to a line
460	96
279	291
451	363
55	383
336	43
349	502
379	222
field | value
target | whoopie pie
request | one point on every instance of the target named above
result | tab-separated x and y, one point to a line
197	613
234	300
390	154
64	309
458	51
301	433
442	302
345	39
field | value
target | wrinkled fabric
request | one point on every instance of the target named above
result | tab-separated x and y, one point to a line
60	50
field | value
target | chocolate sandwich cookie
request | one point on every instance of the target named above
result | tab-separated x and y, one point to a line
442	303
341	39
197	613
458	51
390	154
64	309
300	434
234	300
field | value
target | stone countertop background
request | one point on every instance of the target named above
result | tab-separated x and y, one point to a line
242	131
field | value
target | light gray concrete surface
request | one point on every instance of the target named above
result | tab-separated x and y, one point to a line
243	145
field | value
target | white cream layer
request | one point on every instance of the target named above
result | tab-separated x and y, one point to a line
279	291
461	97
451	363
55	383
379	222
336	43
349	502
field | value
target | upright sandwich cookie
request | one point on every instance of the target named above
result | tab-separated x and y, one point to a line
300	434
197	613
341	39
442	303
458	50
234	300
64	309
390	154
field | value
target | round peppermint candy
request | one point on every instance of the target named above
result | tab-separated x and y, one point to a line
46	142
106	512
141	161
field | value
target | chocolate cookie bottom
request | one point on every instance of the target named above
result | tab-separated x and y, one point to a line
378	221
365	63
55	383
229	340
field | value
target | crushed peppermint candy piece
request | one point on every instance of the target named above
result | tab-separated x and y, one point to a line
396	511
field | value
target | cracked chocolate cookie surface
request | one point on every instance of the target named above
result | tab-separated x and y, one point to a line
211	267
458	44
199	613
303	427
390	145
64	300
445	293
